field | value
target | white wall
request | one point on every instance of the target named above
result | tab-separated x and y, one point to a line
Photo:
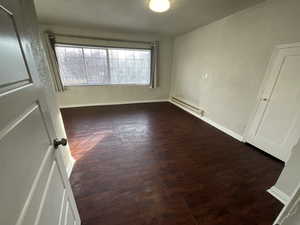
90	95
234	52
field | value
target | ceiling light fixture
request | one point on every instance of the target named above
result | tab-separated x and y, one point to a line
159	5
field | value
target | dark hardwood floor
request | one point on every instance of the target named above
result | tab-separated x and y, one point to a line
154	164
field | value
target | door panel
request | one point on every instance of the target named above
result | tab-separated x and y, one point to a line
70	218
13	66
33	201
283	104
275	126
63	210
52	198
27	93
21	157
34	187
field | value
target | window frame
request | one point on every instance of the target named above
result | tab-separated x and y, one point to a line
73	45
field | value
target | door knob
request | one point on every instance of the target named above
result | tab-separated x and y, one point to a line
264	99
57	142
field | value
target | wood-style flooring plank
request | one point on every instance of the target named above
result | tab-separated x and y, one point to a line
154	164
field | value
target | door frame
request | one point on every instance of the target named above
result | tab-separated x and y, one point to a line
290	208
262	90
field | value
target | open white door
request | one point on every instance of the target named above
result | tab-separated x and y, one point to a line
34	188
276	124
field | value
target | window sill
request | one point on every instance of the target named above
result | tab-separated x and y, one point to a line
108	85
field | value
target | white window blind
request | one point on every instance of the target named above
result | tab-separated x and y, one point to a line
103	66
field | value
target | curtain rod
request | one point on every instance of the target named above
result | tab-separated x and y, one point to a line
102	39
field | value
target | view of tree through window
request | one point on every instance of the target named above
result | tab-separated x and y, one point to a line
103	66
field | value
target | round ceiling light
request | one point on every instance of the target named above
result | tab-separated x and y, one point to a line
159	5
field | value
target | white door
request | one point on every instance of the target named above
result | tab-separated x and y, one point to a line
34	188
275	127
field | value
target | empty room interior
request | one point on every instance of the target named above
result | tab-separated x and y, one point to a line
150	112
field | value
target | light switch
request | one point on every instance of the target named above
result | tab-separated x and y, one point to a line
205	76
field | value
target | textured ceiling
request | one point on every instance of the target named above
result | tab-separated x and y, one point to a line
134	15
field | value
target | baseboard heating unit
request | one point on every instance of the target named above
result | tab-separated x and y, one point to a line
188	105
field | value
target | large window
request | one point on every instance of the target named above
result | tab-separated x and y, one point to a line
103	66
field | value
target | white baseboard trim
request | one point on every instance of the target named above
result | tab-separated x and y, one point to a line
70	166
212	123
113	103
224	129
280	195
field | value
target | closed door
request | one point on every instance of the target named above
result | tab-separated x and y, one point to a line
275	127
34	188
